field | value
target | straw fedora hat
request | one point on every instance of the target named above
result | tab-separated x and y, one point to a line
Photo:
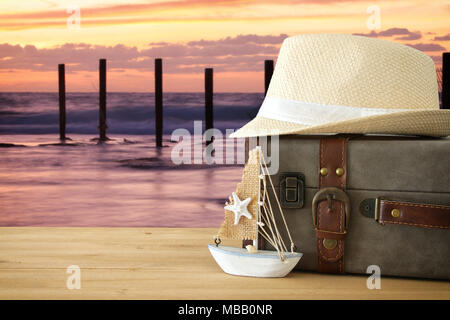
335	83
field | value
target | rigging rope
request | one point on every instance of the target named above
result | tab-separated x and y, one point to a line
266	173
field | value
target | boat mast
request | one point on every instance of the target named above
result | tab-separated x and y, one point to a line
258	210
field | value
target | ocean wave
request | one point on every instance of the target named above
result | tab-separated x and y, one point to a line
127	113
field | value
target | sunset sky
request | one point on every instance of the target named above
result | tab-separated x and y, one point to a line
234	37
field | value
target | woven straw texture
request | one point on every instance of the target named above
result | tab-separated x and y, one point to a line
356	71
246	229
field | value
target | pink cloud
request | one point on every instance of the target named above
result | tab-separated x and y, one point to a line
243	52
242	39
404	34
427	46
410	36
442	38
437	59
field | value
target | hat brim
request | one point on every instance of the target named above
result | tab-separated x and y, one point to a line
422	122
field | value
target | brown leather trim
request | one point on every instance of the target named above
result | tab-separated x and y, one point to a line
415	214
332	156
331	222
330	235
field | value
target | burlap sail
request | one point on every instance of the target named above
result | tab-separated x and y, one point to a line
246	229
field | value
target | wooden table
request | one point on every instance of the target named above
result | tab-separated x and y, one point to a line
162	263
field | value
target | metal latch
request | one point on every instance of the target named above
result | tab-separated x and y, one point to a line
371	208
292	189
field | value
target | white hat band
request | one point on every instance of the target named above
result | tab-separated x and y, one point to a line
312	114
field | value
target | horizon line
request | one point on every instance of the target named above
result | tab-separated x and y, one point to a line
56	91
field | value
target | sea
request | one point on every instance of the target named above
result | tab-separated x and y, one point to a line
125	181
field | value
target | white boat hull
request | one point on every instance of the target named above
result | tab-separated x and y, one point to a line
264	263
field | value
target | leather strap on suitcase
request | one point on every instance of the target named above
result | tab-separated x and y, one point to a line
331	205
406	213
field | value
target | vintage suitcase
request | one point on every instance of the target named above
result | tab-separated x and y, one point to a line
355	201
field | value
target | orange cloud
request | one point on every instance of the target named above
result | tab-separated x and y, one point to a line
164	11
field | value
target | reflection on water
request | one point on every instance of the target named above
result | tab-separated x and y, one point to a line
88	185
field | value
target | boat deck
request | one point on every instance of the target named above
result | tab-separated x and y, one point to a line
162	263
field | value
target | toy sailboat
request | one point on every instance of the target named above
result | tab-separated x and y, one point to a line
249	214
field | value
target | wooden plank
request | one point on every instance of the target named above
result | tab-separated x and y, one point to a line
445	94
268	71
102	100
209	94
162	263
158	102
62	101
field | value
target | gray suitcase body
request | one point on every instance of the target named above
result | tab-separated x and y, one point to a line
407	169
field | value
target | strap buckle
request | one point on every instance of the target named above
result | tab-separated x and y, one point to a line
371	208
329	194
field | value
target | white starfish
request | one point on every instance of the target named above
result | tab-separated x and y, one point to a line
239	208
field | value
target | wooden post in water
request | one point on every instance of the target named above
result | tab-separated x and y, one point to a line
209	101
445	94
158	103
102	100
62	101
268	71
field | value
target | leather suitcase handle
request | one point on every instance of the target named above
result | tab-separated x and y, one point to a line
407	213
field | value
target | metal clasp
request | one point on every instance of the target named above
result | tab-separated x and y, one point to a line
331	193
292	189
